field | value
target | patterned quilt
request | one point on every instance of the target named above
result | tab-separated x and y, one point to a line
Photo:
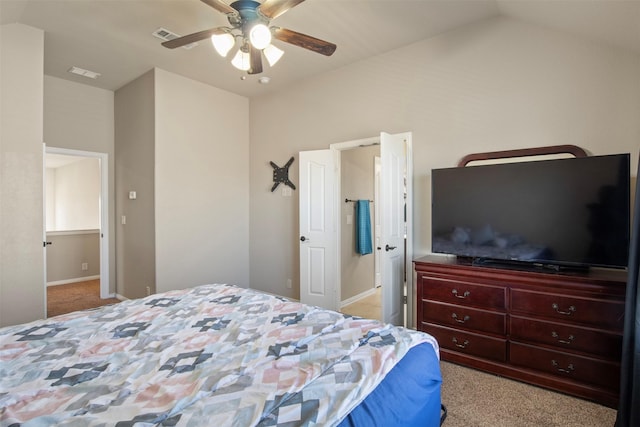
214	355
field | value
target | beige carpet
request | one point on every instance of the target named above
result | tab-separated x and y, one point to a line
475	398
62	299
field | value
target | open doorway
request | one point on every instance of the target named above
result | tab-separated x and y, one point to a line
361	284
76	258
320	208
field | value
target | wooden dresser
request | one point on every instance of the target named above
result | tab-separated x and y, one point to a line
558	330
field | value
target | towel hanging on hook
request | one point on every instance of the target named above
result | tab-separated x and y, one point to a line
364	244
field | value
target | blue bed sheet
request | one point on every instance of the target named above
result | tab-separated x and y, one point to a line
408	396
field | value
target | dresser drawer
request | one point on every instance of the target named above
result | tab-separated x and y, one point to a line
567	337
578	368
463	293
599	313
464	317
467	342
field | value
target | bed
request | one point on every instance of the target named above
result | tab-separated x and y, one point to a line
216	355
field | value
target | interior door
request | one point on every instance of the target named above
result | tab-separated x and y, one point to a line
318	234
377	224
392	183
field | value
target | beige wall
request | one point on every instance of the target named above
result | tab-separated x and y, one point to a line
497	85
68	251
21	174
356	182
183	147
81	117
135	151
202	184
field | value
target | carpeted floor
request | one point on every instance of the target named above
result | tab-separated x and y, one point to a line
478	399
63	299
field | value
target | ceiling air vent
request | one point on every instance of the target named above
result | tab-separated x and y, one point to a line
84	73
166	35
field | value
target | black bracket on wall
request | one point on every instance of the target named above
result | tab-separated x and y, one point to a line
281	175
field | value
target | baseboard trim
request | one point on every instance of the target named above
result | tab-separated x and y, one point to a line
76	280
121	298
358	297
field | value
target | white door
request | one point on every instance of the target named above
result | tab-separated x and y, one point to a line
44	225
392	201
377	224
318	235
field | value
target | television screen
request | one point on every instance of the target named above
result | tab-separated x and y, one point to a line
571	212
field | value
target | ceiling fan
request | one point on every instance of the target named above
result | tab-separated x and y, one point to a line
251	32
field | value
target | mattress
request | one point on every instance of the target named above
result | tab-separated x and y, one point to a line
215	355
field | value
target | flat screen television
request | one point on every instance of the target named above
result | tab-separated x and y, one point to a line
561	213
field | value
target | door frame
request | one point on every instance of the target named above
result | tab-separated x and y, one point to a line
104	211
341	146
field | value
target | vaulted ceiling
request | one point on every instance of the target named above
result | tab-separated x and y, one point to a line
114	37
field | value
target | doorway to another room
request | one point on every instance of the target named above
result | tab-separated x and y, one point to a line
324	211
361	284
76	261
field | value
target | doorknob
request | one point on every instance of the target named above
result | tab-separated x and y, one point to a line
44	244
302	239
389	248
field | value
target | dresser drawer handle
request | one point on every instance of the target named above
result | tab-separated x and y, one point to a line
569	312
569	340
569	369
463	345
463	320
463	296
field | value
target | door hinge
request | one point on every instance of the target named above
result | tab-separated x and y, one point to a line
404	299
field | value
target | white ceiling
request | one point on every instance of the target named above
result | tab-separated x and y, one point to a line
113	37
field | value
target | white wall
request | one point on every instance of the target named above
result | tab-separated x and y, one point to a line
501	84
50	190
74	191
202	184
21	174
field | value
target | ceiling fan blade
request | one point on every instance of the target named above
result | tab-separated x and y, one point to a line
255	61
274	8
192	38
220	6
305	41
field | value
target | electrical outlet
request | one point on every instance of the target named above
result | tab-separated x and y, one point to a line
85	266
148	290
288	283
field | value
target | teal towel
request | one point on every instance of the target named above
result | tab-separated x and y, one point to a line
363	228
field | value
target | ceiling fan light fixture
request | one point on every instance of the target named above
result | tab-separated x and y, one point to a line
249	35
242	60
223	43
273	54
260	36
